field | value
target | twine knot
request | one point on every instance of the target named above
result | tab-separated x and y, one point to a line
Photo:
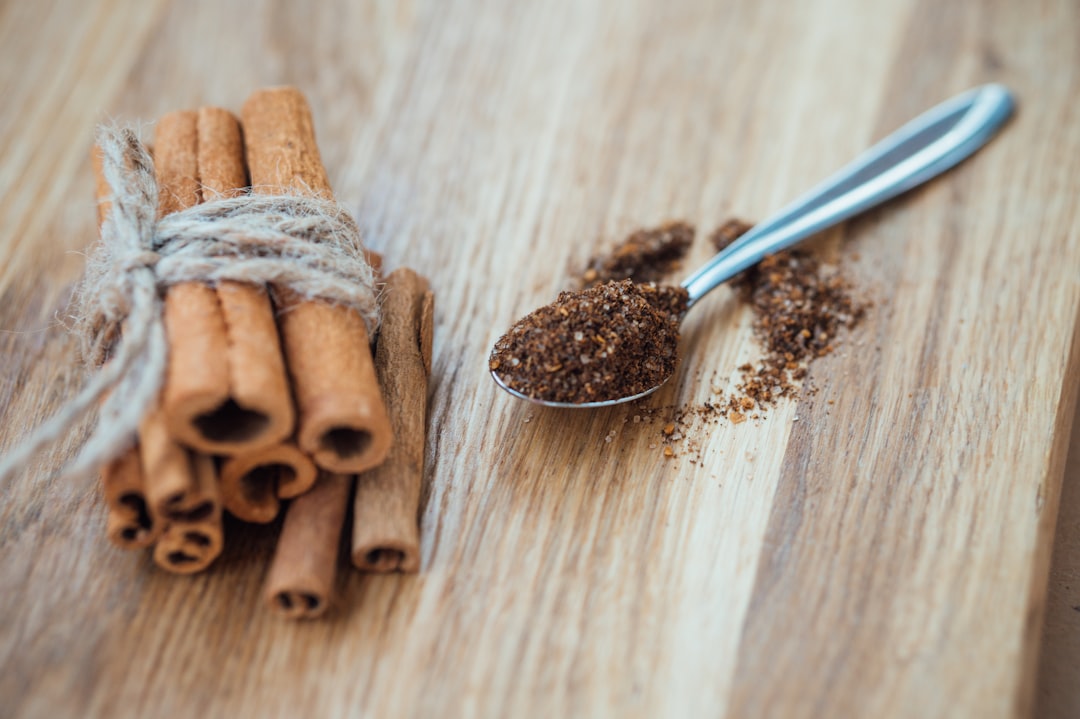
303	248
139	260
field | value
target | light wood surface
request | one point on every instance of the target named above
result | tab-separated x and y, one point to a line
886	554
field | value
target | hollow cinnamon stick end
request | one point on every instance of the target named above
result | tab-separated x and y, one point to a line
349	444
298	603
130	524
187	549
254	498
252	484
384	558
300	475
126	532
224	427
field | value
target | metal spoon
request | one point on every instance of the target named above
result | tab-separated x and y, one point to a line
930	144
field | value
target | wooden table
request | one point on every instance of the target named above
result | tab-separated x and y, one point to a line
884	555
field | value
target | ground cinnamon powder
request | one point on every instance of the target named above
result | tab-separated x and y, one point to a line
602	343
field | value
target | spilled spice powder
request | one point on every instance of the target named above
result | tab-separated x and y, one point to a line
728	232
799	309
644	256
602	343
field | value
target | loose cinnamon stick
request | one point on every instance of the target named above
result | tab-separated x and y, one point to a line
190	544
341	418
225	390
300	584
386	536
252	484
130	524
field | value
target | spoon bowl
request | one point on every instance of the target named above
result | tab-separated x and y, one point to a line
576	405
924	148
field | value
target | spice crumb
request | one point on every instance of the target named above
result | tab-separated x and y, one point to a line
736	417
728	232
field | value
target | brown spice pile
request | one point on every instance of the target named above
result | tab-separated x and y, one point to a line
644	256
593	345
799	308
728	232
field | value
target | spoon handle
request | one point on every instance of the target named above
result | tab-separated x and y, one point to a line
923	148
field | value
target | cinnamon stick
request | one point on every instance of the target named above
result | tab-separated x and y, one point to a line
189	544
225	389
252	484
176	492
374	259
300	584
386	535
176	161
130	524
102	191
341	419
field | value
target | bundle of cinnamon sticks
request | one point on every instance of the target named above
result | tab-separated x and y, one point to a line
273	403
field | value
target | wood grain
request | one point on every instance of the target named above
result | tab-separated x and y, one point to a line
1058	692
883	555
